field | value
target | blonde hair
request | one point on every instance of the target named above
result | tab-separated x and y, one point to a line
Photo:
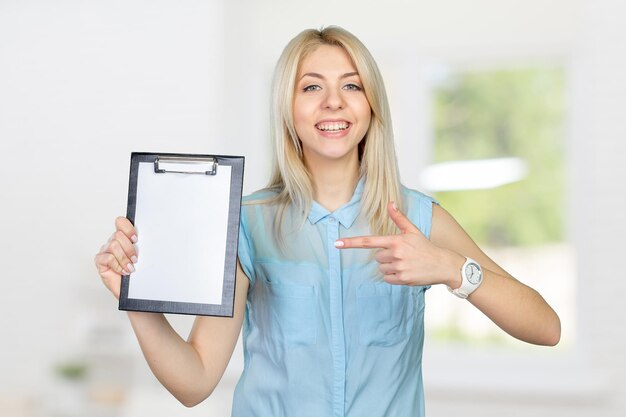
290	178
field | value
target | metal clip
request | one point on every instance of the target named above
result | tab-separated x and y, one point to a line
181	165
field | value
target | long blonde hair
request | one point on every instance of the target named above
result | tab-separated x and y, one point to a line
290	178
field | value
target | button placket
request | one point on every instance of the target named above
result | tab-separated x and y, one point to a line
336	317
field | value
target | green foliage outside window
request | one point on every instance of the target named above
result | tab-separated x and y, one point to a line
505	113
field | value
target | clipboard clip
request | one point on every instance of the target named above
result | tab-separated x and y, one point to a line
181	165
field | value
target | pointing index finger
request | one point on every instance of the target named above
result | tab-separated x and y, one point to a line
364	242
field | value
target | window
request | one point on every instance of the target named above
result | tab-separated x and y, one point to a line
498	165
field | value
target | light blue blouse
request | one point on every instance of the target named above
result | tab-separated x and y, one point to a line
323	334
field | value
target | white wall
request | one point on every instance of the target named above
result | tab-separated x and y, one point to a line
84	83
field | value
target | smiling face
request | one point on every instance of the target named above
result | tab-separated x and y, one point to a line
330	110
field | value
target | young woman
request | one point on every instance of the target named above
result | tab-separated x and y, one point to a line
335	256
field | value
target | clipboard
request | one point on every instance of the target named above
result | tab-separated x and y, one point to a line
186	209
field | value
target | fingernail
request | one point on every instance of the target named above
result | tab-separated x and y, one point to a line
134	259
393	204
130	267
338	243
134	238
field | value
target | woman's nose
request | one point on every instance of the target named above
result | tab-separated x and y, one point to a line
333	100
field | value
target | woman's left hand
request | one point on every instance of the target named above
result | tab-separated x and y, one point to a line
409	258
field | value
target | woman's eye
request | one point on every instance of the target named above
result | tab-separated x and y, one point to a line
353	87
313	87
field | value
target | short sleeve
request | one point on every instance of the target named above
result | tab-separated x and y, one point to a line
419	209
426	214
244	248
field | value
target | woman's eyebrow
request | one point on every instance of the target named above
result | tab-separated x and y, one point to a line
320	76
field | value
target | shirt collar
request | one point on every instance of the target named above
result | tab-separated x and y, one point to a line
346	214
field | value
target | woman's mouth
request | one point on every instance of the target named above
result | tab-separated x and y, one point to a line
332	126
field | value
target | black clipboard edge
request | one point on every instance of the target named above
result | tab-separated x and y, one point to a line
226	309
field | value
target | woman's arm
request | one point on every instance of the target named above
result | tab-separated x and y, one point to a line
516	308
190	369
409	258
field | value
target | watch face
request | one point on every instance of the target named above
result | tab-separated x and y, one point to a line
473	273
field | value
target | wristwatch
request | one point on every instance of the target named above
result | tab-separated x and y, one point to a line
472	277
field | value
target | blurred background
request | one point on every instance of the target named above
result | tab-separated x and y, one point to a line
508	112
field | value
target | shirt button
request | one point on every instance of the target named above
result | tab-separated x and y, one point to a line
331	220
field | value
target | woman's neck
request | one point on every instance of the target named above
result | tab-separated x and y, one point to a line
334	183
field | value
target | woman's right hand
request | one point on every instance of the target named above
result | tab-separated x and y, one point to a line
118	256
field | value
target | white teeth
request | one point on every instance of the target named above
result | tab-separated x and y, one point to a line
332	126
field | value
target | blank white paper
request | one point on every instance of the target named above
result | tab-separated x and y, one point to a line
182	223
